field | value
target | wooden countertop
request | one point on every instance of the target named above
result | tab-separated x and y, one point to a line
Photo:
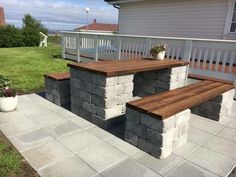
125	67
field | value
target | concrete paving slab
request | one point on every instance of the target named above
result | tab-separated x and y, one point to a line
228	133
31	139
232	124
129	168
36	112
18	127
45	120
102	156
68	167
123	146
79	141
10	117
100	133
186	149
62	128
204	124
82	122
44	155
198	136
222	146
159	166
226	121
188	169
212	161
38	138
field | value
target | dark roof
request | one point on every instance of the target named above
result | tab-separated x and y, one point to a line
99	27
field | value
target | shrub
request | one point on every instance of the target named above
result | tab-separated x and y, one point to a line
31	29
10	36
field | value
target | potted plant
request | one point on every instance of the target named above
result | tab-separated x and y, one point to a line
8	97
158	51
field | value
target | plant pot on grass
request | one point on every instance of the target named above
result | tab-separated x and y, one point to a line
8	97
158	52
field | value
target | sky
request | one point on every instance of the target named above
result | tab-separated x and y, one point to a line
59	14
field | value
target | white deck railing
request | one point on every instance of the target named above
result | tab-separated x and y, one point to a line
210	58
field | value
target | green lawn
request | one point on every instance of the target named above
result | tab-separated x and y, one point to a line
25	66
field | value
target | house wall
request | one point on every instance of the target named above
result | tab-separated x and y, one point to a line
2	17
178	18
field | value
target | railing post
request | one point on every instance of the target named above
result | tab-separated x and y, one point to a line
118	57
235	87
96	47
187	55
187	50
78	47
63	48
148	46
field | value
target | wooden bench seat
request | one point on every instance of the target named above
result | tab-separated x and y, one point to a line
158	124
171	102
58	76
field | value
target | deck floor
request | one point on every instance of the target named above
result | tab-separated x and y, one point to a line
58	143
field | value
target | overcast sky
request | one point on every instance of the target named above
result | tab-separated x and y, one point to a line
59	14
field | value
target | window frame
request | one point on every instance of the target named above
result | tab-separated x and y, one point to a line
229	18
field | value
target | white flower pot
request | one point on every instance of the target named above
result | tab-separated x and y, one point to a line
8	103
161	55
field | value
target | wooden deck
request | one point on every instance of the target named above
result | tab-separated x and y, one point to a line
125	67
171	102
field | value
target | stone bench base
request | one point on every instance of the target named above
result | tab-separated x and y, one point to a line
154	136
217	108
58	91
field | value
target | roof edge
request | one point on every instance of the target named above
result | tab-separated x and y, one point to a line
115	2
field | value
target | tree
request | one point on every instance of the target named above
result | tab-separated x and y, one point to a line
31	29
10	36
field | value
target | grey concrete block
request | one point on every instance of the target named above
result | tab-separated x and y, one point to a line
128	88
110	112
104	102
89	107
132	115
125	79
148	89
156	124
149	148
131	138
135	128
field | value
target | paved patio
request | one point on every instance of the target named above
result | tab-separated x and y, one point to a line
58	143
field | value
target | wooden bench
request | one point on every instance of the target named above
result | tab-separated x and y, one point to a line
158	124
58	88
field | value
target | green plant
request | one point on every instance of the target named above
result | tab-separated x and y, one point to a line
4	82
9	161
7	92
157	49
10	36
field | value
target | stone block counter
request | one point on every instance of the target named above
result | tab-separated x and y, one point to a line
100	90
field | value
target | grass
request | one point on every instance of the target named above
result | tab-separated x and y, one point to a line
12	164
26	66
10	161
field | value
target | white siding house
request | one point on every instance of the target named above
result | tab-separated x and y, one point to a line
212	19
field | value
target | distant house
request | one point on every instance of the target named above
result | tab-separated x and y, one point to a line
99	28
2	17
213	19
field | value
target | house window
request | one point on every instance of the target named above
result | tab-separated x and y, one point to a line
233	23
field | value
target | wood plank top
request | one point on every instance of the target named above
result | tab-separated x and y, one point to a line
58	76
172	102
125	67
